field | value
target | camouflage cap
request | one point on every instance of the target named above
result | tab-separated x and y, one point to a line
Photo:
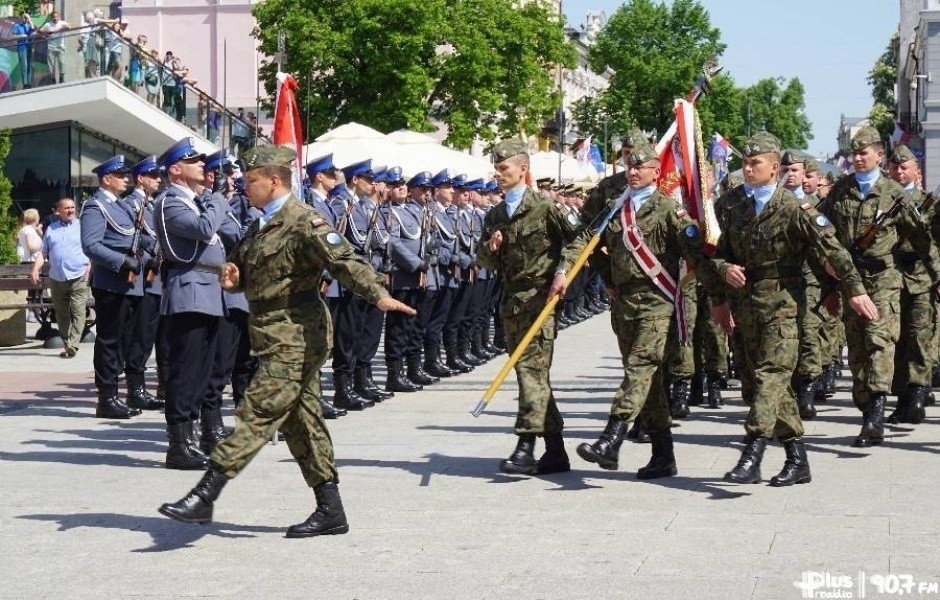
865	137
509	148
268	156
902	154
634	137
791	158
642	153
810	165
762	142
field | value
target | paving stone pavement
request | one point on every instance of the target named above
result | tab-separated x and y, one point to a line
431	516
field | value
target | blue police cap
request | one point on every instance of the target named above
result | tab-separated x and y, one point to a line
491	186
363	168
115	164
147	165
475	185
340	191
378	174
393	176
442	178
184	149
459	182
319	165
216	160
422	179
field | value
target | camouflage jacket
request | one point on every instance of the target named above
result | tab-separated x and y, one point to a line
772	248
533	239
850	214
914	274
280	269
669	233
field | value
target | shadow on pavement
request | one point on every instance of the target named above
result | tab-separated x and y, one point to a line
165	533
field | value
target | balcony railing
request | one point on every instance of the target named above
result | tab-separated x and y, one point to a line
94	51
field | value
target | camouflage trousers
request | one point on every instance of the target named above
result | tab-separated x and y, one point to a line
282	396
814	349
538	413
769	351
708	340
871	346
915	355
680	360
641	394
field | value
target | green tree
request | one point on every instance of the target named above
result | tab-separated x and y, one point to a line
481	67
8	223
882	78
779	107
656	50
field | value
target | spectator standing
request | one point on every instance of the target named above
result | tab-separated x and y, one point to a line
153	75
55	45
68	274
114	46
137	61
22	32
240	133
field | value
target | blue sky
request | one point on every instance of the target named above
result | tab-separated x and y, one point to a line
829	44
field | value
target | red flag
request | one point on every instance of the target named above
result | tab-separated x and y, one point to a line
287	127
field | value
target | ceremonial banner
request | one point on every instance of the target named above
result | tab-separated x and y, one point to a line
287	126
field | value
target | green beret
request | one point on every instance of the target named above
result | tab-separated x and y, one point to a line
642	153
865	137
268	156
810	165
902	154
509	148
791	158
762	142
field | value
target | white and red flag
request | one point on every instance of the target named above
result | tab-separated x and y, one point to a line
288	131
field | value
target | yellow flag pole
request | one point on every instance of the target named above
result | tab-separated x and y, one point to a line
547	311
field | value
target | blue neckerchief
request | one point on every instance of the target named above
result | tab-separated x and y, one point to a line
799	193
639	196
513	199
910	188
761	195
867	180
272	208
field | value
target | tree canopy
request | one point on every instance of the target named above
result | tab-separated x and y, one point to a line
482	67
8	223
882	79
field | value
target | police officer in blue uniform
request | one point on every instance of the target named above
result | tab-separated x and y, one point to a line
478	311
141	338
107	236
187	230
456	336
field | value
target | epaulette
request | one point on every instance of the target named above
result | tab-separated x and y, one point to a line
317	221
806	206
681	213
559	206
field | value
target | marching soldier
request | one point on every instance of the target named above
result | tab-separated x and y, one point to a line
108	228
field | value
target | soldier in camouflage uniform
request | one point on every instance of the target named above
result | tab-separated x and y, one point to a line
279	264
523	238
916	350
643	301
852	205
766	238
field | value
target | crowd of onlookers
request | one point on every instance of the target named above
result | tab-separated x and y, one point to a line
107	49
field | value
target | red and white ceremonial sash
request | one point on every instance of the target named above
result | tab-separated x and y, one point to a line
644	257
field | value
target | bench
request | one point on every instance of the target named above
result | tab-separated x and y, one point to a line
15	278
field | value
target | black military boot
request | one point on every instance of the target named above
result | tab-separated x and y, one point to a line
805	394
344	396
555	459
376	390
196	506
499	336
417	374
902	410
183	453
522	460
663	461
748	467
213	430
455	362
697	389
329	411
477	349
714	390
636	433
396	381
137	394
361	385
562	321
467	356
825	385
605	452
679	399
329	518
795	467
433	365
111	407
918	396
873	424
488	343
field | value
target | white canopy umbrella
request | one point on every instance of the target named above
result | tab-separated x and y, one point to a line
546	164
435	157
352	142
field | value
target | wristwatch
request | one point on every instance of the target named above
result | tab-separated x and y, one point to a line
561	272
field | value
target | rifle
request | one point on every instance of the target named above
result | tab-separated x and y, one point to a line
472	249
456	266
388	266
367	244
135	244
423	247
927	204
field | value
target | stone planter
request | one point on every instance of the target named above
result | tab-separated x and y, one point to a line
12	322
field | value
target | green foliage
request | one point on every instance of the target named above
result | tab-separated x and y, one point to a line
882	79
8	223
482	67
21	6
780	110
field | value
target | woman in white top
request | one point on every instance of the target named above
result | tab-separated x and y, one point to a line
28	247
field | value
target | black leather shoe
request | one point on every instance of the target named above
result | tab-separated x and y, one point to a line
183	453
522	460
455	363
329	518
418	375
361	386
396	381
329	411
345	397
213	430
663	461
796	467
605	452
748	468
196	506
555	459
111	407
376	390
139	397
433	365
